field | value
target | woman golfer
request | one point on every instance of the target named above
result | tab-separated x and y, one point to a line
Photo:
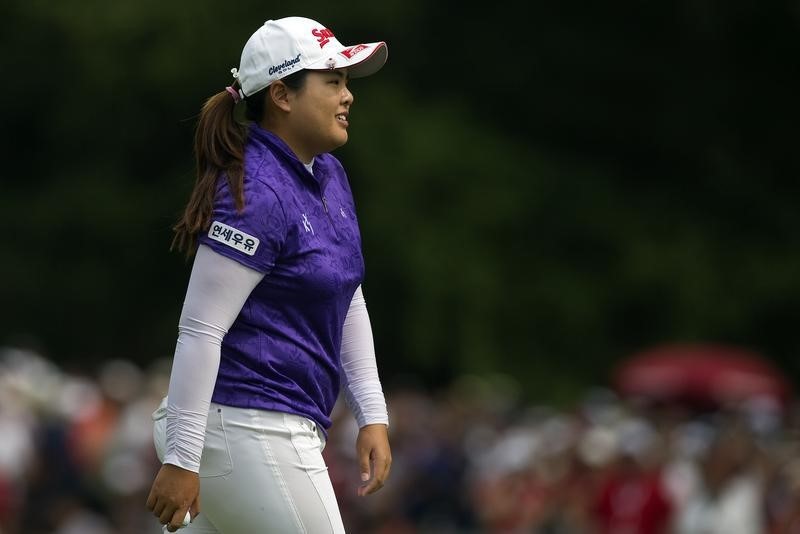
274	322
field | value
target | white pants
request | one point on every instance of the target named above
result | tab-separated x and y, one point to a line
261	472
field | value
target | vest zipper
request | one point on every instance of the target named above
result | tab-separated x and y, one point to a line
331	222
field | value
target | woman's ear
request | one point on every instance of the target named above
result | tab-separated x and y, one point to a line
279	94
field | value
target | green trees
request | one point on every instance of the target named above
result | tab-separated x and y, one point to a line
540	193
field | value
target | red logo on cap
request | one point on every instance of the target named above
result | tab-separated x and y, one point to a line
323	36
353	50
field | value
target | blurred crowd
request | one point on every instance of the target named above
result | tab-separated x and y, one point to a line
76	457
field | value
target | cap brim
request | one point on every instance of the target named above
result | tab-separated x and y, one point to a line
359	60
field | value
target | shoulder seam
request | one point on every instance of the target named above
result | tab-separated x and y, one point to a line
277	197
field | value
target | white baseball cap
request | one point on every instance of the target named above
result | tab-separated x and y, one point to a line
283	46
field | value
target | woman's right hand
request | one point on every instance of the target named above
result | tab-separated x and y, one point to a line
175	491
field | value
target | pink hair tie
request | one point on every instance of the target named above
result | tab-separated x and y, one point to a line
235	94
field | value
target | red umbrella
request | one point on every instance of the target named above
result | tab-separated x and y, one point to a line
700	374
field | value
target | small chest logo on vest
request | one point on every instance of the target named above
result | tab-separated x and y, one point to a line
307	224
341	210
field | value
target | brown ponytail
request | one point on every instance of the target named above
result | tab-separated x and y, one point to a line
218	147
